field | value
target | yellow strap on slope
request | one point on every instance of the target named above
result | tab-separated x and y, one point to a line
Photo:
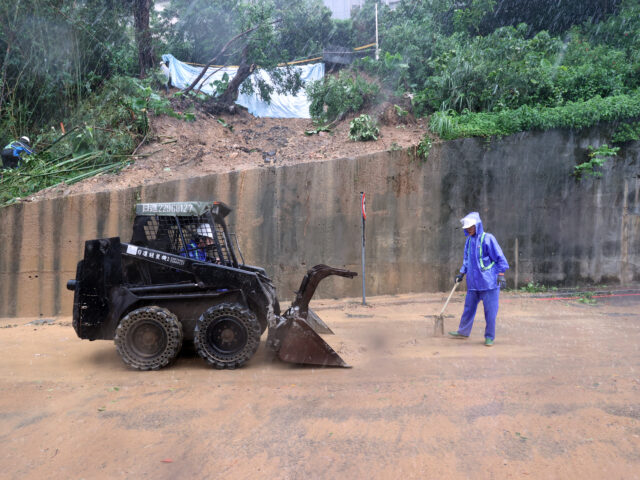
295	62
365	46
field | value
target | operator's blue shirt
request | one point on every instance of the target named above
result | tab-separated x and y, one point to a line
193	251
482	271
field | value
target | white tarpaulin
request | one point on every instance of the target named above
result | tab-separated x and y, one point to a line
281	105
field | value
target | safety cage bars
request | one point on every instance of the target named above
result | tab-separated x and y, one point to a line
195	237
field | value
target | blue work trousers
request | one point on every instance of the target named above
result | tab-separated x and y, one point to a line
490	300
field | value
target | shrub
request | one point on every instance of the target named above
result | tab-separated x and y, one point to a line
587	298
334	96
502	70
536	287
507	69
597	158
391	70
363	128
450	125
626	132
424	147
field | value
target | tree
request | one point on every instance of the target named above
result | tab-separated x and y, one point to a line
265	34
195	30
53	54
484	16
141	10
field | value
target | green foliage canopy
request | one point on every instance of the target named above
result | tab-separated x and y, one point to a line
339	95
55	54
481	67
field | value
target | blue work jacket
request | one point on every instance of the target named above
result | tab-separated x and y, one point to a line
483	260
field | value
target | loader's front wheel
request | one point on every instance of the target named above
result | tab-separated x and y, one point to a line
227	335
149	338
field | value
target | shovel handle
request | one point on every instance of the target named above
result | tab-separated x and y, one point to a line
455	285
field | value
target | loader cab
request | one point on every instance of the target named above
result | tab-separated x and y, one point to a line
196	230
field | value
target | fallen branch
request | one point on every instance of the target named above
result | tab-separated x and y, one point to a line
140	144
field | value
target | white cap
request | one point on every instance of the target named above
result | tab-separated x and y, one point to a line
204	230
25	140
470	220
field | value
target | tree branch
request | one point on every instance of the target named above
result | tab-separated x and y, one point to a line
226	45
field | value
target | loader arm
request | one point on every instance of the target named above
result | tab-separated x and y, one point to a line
311	281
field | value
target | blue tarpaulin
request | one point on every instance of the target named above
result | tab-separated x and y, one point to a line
281	105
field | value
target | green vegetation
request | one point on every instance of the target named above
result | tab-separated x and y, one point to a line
475	67
532	287
626	132
424	147
450	124
597	157
587	298
338	95
507	70
363	128
315	131
51	61
391	71
110	127
480	69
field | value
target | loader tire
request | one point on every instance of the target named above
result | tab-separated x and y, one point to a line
227	335
149	338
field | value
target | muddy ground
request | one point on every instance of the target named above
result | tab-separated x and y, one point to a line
558	396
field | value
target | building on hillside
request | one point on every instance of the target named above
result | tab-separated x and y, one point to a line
341	9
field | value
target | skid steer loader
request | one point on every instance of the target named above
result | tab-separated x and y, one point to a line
180	279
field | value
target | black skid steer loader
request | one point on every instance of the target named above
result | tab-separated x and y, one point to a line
179	279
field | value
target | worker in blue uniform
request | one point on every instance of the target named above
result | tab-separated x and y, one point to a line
198	248
202	248
13	153
484	265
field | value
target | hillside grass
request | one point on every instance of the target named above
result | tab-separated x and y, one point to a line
450	125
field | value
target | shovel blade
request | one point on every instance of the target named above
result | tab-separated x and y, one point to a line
300	344
438	326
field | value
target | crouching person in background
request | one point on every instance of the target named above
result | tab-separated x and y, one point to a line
13	153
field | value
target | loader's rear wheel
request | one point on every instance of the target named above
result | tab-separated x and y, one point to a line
149	338
227	335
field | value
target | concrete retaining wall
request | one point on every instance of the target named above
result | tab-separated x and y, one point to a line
289	219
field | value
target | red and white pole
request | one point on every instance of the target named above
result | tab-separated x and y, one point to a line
364	218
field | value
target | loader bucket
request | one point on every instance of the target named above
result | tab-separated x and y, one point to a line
300	344
295	336
315	322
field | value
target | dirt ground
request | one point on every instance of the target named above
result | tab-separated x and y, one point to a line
558	396
177	149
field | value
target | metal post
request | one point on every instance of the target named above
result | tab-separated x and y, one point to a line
515	286
364	218
377	48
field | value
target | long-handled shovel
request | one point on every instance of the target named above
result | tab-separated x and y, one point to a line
438	325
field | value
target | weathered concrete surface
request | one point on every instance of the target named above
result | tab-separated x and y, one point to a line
289	219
